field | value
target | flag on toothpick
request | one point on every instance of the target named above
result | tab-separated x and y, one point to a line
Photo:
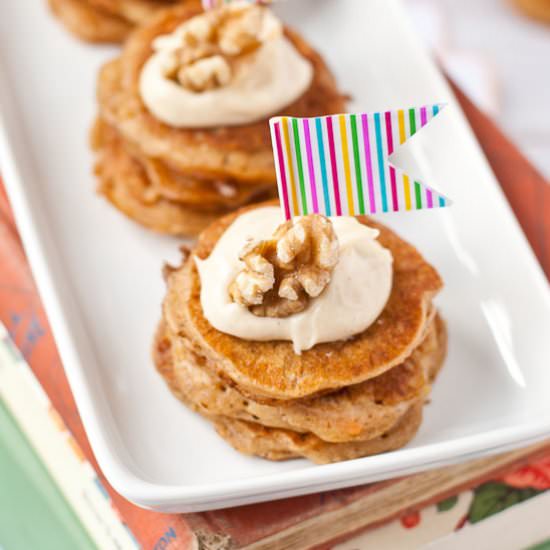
338	165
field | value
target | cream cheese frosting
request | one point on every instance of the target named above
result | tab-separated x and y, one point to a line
358	291
251	88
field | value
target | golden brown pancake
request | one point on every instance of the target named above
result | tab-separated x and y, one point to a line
203	193
88	23
156	196
136	11
107	20
271	370
207	195
281	444
360	412
537	9
123	181
242	153
339	400
277	444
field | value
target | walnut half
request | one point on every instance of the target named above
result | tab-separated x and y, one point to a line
281	275
213	44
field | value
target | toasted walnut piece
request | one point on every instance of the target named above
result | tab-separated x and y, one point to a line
211	45
187	56
199	30
205	74
282	274
257	278
290	288
240	31
280	307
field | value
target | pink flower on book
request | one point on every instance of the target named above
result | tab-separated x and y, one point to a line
410	520
535	475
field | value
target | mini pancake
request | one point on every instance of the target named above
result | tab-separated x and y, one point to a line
356	413
88	23
127	184
109	21
124	183
136	11
280	444
537	9
164	183
272	369
276	444
242	153
204	194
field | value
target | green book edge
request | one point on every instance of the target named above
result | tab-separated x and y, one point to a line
33	512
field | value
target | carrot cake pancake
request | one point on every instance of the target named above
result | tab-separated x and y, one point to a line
188	100
316	337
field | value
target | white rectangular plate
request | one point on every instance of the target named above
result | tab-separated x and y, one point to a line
99	274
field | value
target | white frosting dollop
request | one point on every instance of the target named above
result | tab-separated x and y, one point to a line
356	295
263	83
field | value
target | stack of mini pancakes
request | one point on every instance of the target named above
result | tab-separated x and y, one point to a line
336	401
178	180
107	20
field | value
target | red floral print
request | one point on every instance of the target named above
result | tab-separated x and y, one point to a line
535	475
411	520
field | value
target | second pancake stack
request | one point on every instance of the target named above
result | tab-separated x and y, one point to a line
177	179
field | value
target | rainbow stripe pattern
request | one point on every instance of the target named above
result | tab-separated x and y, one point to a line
213	4
338	165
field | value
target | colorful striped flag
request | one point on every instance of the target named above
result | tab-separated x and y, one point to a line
338	165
